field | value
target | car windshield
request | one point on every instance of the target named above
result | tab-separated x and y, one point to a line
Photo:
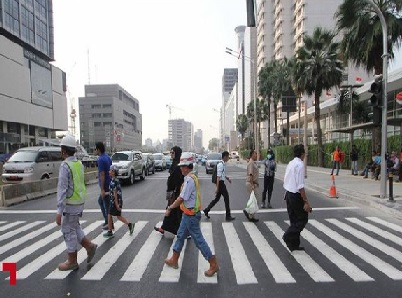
23	156
168	158
120	157
214	156
158	157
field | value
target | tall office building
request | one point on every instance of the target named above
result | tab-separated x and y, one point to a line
181	133
32	91
198	140
229	79
109	114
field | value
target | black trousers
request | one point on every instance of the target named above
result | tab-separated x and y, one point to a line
268	187
298	219
222	191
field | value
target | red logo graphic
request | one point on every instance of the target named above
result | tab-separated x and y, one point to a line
12	267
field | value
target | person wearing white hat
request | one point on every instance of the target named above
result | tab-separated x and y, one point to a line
71	195
189	201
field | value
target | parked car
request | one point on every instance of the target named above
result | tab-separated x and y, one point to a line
149	163
130	164
160	161
169	162
212	159
32	164
235	155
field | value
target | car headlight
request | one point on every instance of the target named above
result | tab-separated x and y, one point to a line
125	167
28	170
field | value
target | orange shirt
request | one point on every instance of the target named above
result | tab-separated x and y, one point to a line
337	155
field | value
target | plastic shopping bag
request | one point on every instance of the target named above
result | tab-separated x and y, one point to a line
252	204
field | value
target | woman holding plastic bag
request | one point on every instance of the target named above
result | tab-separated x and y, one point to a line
252	184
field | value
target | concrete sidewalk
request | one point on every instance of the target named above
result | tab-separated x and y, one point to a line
349	187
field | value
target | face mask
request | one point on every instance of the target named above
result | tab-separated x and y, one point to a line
269	156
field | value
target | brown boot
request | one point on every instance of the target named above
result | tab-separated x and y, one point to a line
213	267
173	261
70	264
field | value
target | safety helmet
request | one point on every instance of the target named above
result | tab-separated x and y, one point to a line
68	141
186	159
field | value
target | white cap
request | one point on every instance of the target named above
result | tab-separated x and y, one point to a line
186	159
68	141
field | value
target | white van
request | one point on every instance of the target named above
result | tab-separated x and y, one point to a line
32	164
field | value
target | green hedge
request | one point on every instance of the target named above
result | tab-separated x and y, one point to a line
284	154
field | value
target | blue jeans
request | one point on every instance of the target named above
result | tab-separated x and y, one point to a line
191	225
104	204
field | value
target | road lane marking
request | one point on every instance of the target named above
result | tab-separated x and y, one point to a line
278	270
306	262
109	259
337	259
241	265
10	225
360	252
82	253
26	238
45	258
206	228
378	231
386	223
170	274
392	252
140	263
20	229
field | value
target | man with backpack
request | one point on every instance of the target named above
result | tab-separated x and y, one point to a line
218	178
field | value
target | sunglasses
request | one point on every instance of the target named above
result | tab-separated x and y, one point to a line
171	152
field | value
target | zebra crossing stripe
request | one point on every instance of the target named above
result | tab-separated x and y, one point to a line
340	261
206	228
39	262
10	225
170	274
360	252
378	231
241	265
32	248
19	230
26	238
108	259
137	268
385	223
278	270
392	252
82	253
307	263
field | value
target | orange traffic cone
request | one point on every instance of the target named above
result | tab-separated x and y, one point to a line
332	189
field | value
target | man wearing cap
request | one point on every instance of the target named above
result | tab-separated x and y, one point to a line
71	195
189	201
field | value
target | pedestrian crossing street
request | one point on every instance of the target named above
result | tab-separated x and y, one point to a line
360	249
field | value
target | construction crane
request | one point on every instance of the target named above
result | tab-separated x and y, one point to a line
170	107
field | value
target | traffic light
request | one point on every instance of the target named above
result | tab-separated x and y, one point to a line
376	90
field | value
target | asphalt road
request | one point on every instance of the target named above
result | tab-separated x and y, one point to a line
351	251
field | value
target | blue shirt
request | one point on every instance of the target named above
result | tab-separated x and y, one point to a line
104	163
65	187
188	193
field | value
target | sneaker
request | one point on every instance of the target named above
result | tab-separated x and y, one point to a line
105	227
131	228
253	219
269	206
108	234
297	248
91	253
160	230
206	213
263	205
229	218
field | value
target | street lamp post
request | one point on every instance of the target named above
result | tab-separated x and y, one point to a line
383	188
254	87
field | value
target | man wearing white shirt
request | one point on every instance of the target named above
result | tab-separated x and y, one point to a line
221	187
296	199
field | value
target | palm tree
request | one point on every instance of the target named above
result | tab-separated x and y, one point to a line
362	36
322	70
261	114
265	86
362	32
242	125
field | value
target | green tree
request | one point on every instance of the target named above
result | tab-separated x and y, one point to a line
261	114
322	70
362	41
242	125
213	144
265	86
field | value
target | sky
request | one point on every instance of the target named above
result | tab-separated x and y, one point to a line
163	52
